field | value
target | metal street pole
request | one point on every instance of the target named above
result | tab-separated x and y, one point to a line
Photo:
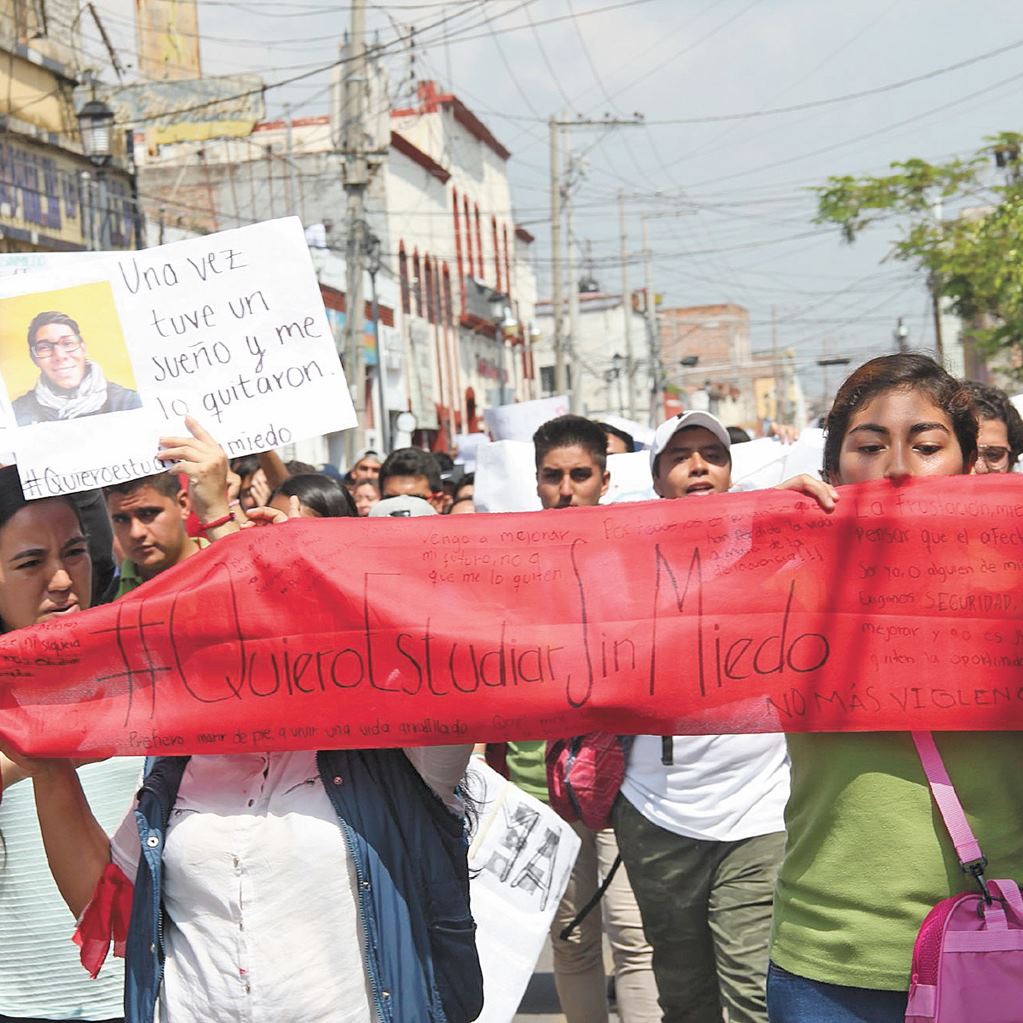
560	384
356	180
630	362
656	371
383	416
553	124
290	160
573	294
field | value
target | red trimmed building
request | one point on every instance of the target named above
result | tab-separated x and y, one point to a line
467	289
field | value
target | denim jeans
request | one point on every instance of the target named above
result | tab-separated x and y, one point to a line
792	999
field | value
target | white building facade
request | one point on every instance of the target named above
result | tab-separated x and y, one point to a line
454	289
596	357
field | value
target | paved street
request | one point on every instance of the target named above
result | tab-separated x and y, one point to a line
540	1004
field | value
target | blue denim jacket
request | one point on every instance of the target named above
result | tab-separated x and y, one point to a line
410	856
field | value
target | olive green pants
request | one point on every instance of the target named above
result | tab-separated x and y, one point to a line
706	909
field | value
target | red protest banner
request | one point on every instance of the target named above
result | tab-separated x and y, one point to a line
737	613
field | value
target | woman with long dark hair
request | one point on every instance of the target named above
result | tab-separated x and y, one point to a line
46	573
867	854
325	886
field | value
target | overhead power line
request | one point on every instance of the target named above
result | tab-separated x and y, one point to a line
814	104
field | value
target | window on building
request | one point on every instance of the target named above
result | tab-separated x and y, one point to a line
417	283
449	309
547	380
406	298
459	264
479	244
468	239
498	276
431	296
507	263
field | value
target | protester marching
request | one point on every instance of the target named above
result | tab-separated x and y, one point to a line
734	716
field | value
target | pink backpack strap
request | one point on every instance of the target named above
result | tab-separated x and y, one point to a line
971	859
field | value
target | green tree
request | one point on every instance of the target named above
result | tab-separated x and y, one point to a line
974	258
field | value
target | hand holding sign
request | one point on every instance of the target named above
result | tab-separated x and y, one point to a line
203	461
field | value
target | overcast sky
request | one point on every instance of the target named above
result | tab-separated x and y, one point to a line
743	230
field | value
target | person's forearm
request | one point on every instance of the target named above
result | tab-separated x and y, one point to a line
77	848
11	771
273	467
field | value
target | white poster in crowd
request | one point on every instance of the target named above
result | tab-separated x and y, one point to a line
630	478
521	857
766	462
521	420
642	436
100	357
467	446
506	478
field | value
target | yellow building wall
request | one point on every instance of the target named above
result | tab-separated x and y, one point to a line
36	96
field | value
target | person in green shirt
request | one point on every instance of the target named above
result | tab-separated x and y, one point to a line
571	472
867	855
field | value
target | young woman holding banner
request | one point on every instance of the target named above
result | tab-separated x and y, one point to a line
326	887
46	573
867	853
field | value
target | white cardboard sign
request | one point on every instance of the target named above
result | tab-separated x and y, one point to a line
506	478
522	419
229	328
521	857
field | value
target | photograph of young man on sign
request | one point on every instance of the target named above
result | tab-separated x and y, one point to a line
65	377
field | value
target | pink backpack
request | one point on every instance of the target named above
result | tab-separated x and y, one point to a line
968	956
584	775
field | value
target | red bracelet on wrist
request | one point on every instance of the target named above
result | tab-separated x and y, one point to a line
221	520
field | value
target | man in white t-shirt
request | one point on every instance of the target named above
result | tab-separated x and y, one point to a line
699	820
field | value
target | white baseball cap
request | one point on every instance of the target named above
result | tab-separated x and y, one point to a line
404	506
668	429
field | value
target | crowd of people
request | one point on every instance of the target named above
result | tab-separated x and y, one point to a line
765	877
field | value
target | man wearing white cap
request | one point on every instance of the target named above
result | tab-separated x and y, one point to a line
691	456
699	820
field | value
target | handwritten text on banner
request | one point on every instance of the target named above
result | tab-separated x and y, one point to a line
736	613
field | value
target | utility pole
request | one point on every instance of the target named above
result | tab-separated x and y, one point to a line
780	395
939	339
656	369
573	283
553	124
657	376
560	384
290	157
901	336
630	362
356	181
934	286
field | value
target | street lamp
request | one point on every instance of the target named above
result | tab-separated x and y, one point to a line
832	360
504	324
618	364
95	121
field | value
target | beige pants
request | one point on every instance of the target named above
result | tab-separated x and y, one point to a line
579	962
